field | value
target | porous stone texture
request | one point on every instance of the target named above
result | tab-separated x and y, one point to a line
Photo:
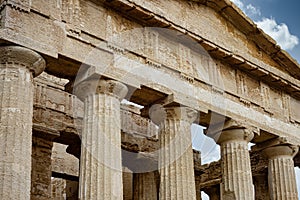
177	180
127	184
213	192
64	189
145	186
261	187
198	192
100	161
63	162
235	163
18	66
41	169
281	173
65	172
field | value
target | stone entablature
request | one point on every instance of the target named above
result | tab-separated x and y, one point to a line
61	112
66	103
72	19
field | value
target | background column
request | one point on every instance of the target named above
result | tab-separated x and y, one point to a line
281	172
100	161
145	187
18	66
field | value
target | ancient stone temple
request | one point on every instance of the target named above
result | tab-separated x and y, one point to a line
98	99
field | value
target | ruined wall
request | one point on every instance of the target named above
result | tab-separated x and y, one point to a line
41	169
65	173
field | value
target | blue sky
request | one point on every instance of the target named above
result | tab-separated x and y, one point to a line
278	18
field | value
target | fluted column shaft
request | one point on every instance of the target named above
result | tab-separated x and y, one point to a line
176	165
281	172
145	186
100	162
236	167
18	66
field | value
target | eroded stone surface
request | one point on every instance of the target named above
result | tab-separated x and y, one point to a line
100	161
177	180
235	163
281	173
16	94
145	186
41	169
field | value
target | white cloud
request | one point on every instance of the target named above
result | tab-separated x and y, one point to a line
249	9
239	3
252	11
210	151
280	32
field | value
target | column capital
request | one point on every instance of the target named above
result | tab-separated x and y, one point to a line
96	86
232	130
281	151
21	56
239	134
159	113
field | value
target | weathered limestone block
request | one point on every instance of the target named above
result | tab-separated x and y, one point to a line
100	161
63	162
198	194
23	5
281	173
65	170
145	186
213	192
176	167
198	191
64	189
18	66
41	169
261	187
235	162
127	184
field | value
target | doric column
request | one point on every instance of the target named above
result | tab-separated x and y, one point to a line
100	161
235	161
176	165
281	173
18	67
145	186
